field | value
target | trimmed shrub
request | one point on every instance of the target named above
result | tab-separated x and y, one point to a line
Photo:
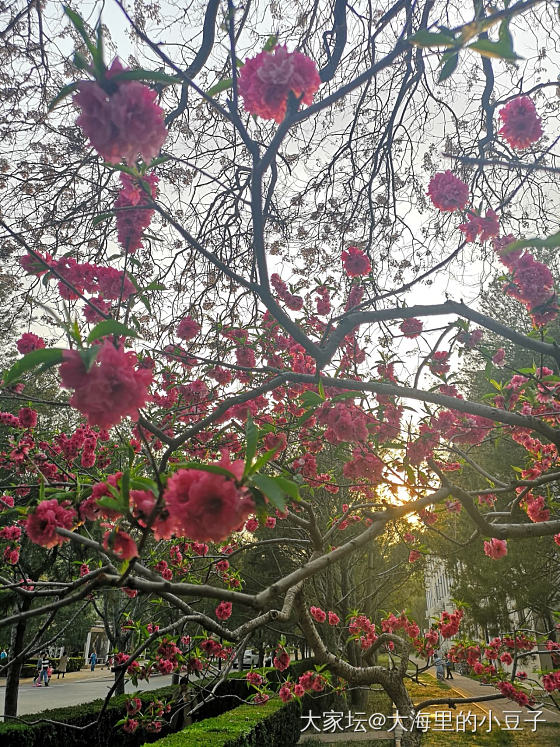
47	734
272	724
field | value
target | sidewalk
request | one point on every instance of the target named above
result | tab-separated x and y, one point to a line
83	674
465	687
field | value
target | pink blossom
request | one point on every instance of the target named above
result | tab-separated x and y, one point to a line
413	556
522	125
266	80
448	192
122	121
207	506
28	342
27	417
84	570
285	693
334	619
496	548
251	525
133	706
11	555
254	678
318	614
132	217
223	610
278	441
188	328
130	725
354	297
111	389
9	419
6	501
42	523
282	660
411	327
355	262
484	228
499	358
120	543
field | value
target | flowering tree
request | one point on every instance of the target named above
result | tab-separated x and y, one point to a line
213	386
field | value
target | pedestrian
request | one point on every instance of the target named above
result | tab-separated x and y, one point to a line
109	663
45	666
439	667
93	660
37	680
3	654
62	665
448	667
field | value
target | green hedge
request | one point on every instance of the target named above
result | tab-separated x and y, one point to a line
19	734
272	724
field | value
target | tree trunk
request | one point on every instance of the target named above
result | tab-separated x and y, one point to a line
119	690
395	688
359	697
14	670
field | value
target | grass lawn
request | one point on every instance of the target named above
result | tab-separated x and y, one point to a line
547	735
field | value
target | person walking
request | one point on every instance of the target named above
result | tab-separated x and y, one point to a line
448	667
62	665
93	660
3	654
438	663
45	665
37	680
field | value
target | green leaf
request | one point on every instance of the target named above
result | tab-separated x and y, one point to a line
252	435
448	66
155	286
74	332
80	61
321	390
215	468
121	167
101	217
306	415
220	86
500	50
271	42
272	489
62	94
143	483
111	503
46	357
110	327
158	161
261	461
311	399
150	76
425	38
125	488
88	356
98	63
79	25
288	486
549	243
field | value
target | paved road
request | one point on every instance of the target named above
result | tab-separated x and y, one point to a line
467	688
79	687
